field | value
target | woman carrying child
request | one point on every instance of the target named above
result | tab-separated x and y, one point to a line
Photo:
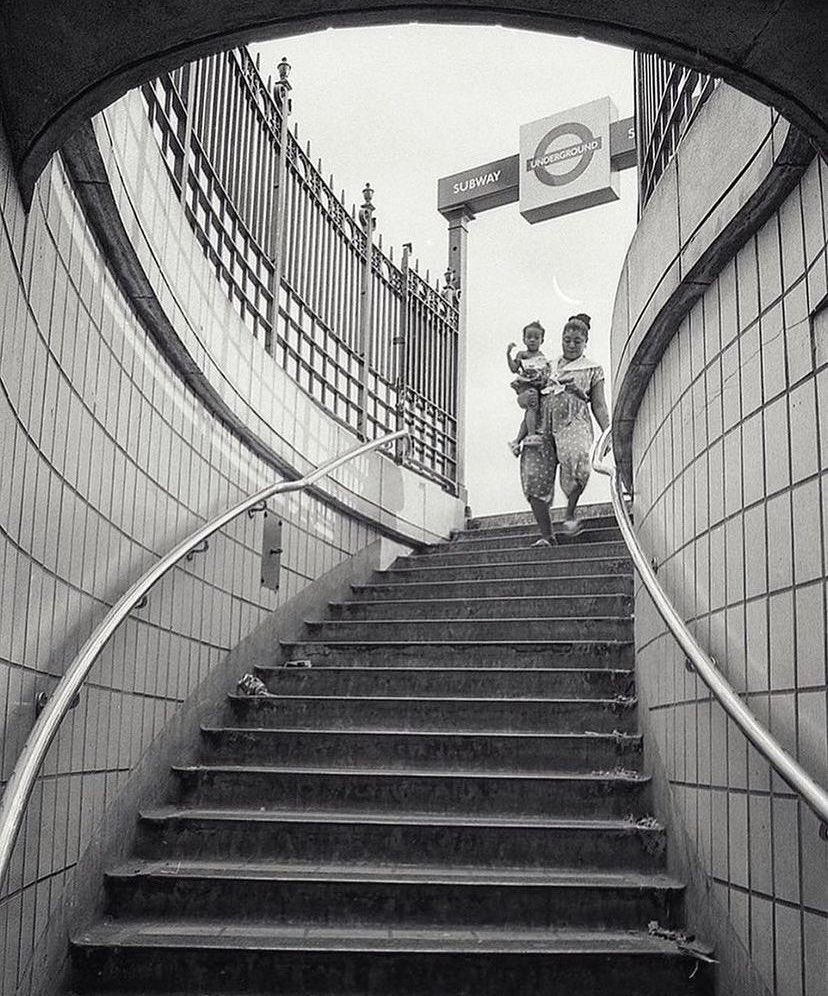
575	394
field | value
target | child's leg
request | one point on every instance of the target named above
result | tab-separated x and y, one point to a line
514	446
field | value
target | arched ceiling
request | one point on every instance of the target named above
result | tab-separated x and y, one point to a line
61	62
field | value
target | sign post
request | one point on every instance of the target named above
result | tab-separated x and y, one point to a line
567	162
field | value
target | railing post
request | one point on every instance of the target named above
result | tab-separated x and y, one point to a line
401	351
366	309
279	204
189	73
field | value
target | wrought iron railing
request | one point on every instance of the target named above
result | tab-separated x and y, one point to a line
667	98
294	260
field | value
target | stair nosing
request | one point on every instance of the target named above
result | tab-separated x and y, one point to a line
332	817
523	700
544	877
371	732
623	777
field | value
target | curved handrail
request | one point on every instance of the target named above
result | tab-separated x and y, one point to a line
788	769
21	783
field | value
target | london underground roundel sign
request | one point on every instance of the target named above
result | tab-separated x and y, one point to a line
565	161
558	166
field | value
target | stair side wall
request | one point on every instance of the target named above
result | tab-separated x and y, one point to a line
729	460
108	460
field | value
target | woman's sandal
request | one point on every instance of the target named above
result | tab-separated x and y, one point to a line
572	527
543	541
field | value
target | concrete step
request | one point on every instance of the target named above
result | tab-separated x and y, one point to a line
524	518
445	714
493	607
393	837
487	540
439	652
413	569
616	627
347	961
457	554
526	525
476	751
515	587
485	682
282	893
471	793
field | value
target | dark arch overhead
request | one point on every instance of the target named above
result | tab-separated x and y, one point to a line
61	62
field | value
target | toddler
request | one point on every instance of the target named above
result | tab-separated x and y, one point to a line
534	379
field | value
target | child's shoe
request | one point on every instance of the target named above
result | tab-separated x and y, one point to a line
534	440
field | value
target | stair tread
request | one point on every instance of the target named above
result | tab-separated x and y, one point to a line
468	642
485	598
465	619
271	696
391	818
402	668
471	582
626	776
383	732
222	934
436	875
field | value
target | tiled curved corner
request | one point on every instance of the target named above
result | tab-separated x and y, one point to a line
721	186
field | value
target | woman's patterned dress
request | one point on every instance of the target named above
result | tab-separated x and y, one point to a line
566	427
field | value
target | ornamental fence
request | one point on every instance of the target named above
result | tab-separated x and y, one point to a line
376	345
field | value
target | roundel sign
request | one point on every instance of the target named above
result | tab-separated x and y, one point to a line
565	161
555	165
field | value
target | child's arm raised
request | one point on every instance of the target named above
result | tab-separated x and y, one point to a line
513	361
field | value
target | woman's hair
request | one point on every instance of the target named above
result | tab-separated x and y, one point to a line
535	325
580	321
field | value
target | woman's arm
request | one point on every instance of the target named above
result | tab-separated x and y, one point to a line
598	403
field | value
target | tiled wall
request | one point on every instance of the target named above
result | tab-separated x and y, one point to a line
106	460
730	460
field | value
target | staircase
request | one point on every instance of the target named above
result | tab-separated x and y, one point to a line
448	802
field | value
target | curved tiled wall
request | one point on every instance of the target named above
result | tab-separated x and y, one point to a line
728	450
107	460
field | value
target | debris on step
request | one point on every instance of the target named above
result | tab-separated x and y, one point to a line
249	684
621	703
299	662
624	742
686	943
652	844
618	772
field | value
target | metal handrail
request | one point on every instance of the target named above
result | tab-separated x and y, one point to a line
21	783
702	663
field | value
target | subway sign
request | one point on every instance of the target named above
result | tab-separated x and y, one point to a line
486	186
567	162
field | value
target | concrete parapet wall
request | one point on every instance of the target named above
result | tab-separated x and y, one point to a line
728	454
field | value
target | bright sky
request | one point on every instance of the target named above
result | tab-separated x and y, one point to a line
402	106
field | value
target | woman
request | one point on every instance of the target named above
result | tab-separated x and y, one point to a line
566	427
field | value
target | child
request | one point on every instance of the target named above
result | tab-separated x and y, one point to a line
534	379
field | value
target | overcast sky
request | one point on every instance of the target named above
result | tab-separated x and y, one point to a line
402	106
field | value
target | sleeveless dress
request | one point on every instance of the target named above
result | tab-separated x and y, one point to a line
566	427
